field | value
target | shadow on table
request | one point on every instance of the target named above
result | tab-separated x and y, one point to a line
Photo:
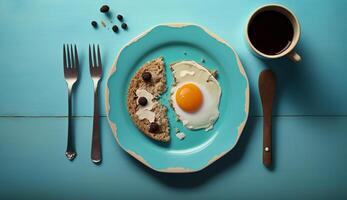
299	83
288	75
196	179
296	82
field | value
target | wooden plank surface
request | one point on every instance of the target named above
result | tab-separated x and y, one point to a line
309	156
309	127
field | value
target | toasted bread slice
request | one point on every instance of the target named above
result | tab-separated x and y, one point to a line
156	86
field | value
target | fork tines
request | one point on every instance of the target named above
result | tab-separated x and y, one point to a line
70	56
93	60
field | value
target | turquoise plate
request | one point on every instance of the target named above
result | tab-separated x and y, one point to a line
176	42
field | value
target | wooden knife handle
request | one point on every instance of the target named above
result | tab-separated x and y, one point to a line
267	147
267	89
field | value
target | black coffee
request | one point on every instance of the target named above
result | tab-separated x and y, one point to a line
270	32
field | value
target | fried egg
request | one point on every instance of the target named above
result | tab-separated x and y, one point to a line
195	95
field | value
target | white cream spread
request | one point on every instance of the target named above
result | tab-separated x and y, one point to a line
145	112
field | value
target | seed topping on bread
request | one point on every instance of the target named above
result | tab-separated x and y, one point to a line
147	76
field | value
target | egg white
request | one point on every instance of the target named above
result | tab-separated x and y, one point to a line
191	72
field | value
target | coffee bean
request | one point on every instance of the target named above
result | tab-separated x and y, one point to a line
146	76
115	29
124	26
94	24
104	9
120	17
153	127
142	101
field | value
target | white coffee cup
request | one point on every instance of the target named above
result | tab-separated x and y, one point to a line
289	51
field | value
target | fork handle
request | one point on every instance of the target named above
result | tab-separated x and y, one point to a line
70	149
96	147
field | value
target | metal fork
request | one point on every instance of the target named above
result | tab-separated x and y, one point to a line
95	68
71	65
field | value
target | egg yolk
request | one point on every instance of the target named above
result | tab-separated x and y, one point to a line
189	97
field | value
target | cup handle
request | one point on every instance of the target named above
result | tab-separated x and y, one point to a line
295	57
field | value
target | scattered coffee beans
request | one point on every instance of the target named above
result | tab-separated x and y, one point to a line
104	9
115	29
120	17
94	24
124	26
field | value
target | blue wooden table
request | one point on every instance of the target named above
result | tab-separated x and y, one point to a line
310	122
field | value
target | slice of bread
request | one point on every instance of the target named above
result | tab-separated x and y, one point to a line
156	86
